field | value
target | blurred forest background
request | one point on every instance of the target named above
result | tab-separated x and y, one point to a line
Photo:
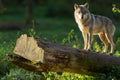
53	8
52	20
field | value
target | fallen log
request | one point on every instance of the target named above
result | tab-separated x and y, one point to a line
42	56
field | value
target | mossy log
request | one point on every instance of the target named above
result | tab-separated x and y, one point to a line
42	56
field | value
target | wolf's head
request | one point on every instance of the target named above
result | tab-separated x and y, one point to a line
81	11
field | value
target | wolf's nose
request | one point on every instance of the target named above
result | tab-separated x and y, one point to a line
81	17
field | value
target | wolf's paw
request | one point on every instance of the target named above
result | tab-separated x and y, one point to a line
89	49
111	54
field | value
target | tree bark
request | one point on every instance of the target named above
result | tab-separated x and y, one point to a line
43	56
29	12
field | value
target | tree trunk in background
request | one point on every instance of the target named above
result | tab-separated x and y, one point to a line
29	12
43	56
1	7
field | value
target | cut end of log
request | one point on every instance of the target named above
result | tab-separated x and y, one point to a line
27	47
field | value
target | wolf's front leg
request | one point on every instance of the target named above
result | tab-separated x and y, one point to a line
84	34
89	41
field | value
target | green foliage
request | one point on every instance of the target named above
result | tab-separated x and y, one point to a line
111	74
117	44
97	47
71	40
115	9
20	74
114	73
117	47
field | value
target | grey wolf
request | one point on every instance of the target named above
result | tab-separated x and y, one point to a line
90	24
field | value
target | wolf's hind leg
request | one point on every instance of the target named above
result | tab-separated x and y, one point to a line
110	40
105	41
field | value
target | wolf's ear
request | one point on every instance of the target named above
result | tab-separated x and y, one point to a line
86	5
76	6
